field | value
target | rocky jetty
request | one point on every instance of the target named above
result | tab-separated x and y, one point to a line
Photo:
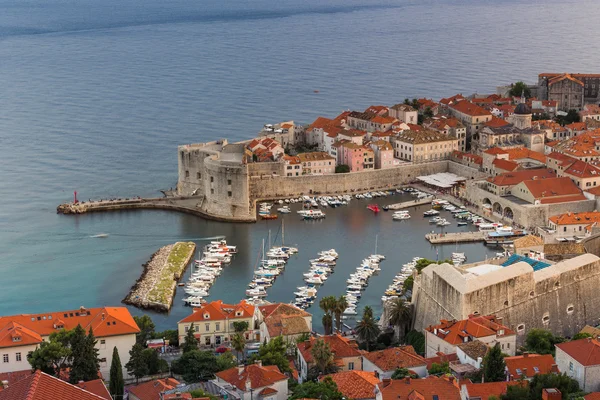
155	289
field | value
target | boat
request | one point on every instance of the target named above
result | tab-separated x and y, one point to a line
268	216
313	214
443	222
374	208
386	208
431	213
401	216
350	311
462	223
284	210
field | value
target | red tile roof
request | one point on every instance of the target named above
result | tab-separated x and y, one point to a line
483	391
14	334
383	120
151	390
468	108
584	351
320	123
519	153
505	165
554	187
105	321
97	387
440	359
12	377
218	311
516	177
592	396
41	386
556	79
455	332
340	347
258	376
453	99
529	365
395	357
496	122
431	386
356	384
582	169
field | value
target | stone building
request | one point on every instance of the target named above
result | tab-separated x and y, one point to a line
317	163
404	113
345	352
423	146
472	116
560	297
253	381
566	89
590	88
580	360
449	126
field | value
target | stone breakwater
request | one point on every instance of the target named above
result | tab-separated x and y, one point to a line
155	289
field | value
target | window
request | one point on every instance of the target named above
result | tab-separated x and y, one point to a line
521	328
207	327
187	174
5	358
546	319
536	370
212	191
229	181
218	326
229	193
571	366
18	356
570	309
350	366
103	344
197	328
212	178
186	329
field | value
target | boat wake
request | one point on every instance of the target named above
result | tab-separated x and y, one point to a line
100	235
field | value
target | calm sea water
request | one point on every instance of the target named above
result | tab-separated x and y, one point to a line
96	95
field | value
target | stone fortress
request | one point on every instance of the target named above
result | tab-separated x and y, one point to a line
560	297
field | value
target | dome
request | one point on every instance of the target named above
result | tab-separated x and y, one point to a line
522	109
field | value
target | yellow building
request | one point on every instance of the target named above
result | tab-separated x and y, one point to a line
213	323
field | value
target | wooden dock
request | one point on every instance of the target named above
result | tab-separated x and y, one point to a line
411	203
459	237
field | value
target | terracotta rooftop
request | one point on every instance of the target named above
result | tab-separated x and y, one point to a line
528	241
505	165
582	169
592	396
595	332
315	156
286	325
41	386
453	99
576	218
474	349
519	153
496	122
395	357
456	332
341	347
423	136
585	351
97	387
468	108
259	376
440	358
562	187
217	311
483	391
151	390
356	384
562	77
320	123
352	133
430	388
516	177
383	120
530	365
105	321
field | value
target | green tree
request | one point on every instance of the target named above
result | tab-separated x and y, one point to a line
340	306
428	113
170	334
494	366
516	392
571	117
303	337
136	365
116	385
400	316
199	393
155	364
146	332
581	335
238	342
86	363
541	341
50	357
367	329
562	382
518	89
324	390
273	353
417	340
225	361
342	169
440	369
327	304
195	366
401	373
322	358
190	342
408	284
240	326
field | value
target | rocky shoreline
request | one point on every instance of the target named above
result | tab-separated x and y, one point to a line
140	294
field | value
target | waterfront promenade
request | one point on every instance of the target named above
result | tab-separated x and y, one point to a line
458	237
411	203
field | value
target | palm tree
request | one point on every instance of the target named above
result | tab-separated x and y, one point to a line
367	329
400	316
238	342
322	356
340	306
327	304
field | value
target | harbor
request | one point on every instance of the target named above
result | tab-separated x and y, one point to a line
455	237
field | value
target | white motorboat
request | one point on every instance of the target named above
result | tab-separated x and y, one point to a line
350	311
284	210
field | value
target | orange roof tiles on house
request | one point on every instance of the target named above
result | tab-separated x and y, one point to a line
562	77
151	390
577	126
415	127
483	391
516	177
217	310
519	153
342	117
97	387
554	187
424	103
13	334
530	365
340	347
379	110
105	321
15	376
315	156
352	133
320	123
496	122
395	357
592	396
584	351
355	385
468	108
383	120
259	376
41	386
427	388
455	332
495	151
595	191
582	169
440	358
576	218
453	99
505	165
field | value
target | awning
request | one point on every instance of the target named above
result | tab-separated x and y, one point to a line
443	180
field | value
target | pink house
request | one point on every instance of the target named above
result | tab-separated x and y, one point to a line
356	157
384	154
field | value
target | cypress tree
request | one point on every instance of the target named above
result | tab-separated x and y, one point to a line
116	385
494	365
190	343
86	363
136	365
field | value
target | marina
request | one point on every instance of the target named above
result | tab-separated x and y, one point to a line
456	237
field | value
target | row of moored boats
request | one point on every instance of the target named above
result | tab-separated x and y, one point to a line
271	265
359	280
319	270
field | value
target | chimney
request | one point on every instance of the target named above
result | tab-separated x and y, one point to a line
80	382
258	362
407	380
554	369
551	394
103	316
386	382
524	371
525	354
5	384
248	385
240	369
